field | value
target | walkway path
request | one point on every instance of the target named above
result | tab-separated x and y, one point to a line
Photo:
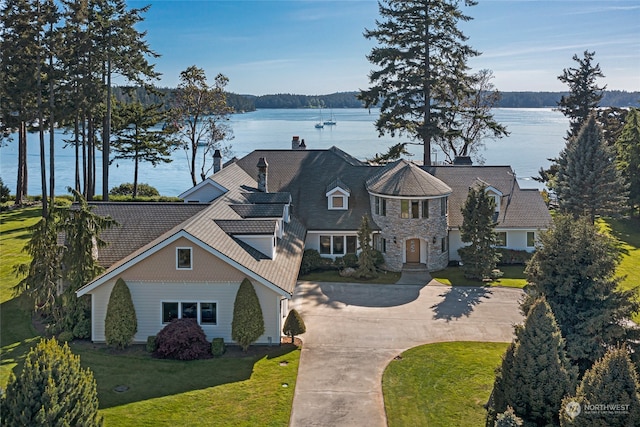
355	330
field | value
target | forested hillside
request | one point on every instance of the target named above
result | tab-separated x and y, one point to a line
243	103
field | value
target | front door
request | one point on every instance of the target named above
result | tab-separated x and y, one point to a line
413	251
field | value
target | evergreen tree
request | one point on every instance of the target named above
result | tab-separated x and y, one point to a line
136	141
199	116
479	258
508	419
503	386
294	325
628	158
422	55
587	182
52	390
82	230
611	381
540	374
366	259
248	322
574	267
120	323
43	273
584	94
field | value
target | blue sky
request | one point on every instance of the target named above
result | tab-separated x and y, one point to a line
316	47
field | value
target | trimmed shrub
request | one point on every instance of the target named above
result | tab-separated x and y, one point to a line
126	189
350	260
218	348
52	390
65	336
120	324
248	321
182	339
513	256
152	344
378	258
311	260
294	325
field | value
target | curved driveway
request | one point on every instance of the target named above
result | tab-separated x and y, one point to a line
355	330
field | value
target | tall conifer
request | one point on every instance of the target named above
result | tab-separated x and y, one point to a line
628	156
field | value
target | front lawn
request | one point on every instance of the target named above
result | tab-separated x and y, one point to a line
513	277
384	277
443	384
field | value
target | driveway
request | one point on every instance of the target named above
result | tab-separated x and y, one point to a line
355	330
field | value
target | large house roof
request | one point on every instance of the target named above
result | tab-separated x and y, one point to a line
518	208
307	174
404	179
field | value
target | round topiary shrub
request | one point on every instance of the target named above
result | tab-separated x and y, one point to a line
182	339
294	325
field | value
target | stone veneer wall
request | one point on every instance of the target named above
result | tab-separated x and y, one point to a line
392	225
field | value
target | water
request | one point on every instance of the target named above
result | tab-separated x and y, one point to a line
536	135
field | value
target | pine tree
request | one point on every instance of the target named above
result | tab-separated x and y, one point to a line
120	323
366	261
628	156
540	374
587	182
611	381
479	258
294	325
422	55
52	390
508	419
584	94
574	267
503	386
248	322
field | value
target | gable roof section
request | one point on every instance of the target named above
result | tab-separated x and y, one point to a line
200	185
518	209
236	227
337	183
306	174
140	223
264	210
279	274
405	179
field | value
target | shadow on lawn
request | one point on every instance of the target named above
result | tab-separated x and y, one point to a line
459	301
148	378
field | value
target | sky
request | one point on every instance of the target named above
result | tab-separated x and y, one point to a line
315	47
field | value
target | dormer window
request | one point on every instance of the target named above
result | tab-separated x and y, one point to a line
183	259
497	196
337	195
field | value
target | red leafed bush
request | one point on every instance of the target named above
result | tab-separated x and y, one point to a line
182	339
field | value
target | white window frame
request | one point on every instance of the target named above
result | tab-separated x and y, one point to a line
506	241
198	311
338	193
534	239
190	249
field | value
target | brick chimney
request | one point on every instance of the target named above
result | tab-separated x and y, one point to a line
295	143
217	161
262	174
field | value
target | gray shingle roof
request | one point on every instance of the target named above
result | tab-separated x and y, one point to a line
518	208
404	179
247	226
266	198
264	210
337	183
140	223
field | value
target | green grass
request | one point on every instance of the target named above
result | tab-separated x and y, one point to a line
443	384
385	277
230	391
513	277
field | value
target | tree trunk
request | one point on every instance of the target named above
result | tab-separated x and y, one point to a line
106	137
426	133
22	160
43	163
52	138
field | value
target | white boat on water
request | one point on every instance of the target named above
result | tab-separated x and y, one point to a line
331	121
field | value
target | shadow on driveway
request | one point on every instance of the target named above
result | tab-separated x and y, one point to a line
459	301
336	295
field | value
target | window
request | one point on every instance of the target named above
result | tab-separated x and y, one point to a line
205	313
425	209
404	209
415	209
337	202
169	311
338	245
443	245
501	238
383	207
183	259
380	243
325	244
352	244
531	239
376	205
443	206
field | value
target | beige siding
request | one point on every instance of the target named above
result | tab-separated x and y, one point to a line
161	266
148	298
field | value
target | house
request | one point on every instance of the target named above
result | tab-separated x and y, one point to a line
254	217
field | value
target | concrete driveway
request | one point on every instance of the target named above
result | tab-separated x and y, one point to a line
355	330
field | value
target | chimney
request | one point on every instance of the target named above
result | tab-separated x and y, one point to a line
217	161
302	146
295	143
262	174
462	161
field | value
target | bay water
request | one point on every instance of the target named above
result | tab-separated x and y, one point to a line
536	134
